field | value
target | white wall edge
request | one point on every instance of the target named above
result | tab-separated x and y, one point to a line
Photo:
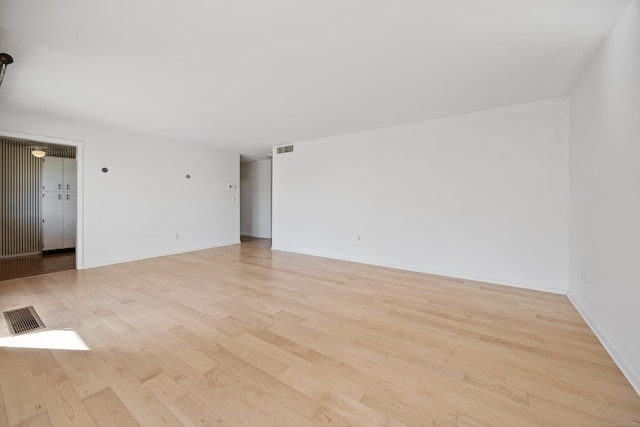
40	138
159	254
450	274
631	376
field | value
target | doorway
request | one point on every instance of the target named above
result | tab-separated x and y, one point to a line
255	200
23	199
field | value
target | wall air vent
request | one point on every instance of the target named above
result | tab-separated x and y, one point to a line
285	149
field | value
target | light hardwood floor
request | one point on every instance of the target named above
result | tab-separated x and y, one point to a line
241	335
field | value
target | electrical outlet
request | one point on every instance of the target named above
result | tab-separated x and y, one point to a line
358	238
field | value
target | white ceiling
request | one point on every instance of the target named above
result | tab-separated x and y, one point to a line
244	75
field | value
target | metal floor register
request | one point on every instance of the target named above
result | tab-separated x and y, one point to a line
23	320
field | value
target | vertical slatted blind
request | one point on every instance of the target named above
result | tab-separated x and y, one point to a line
21	176
21	196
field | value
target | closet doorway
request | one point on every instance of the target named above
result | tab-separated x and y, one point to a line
39	199
255	200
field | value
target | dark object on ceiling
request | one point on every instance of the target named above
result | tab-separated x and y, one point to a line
5	59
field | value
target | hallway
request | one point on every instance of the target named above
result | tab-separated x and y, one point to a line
35	265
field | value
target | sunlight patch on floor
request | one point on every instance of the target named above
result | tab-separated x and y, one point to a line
51	340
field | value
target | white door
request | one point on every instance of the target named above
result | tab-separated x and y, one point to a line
52	174
69	203
70	175
52	220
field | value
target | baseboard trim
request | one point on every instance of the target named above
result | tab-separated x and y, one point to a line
629	373
453	275
156	255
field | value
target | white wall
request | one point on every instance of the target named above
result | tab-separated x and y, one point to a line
136	209
481	195
605	194
255	199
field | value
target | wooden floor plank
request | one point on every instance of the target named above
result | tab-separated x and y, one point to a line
108	411
63	404
83	370
191	413
4	421
22	400
245	336
40	420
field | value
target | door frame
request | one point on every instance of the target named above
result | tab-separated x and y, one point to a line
80	181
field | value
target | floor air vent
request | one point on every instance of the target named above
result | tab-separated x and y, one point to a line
23	320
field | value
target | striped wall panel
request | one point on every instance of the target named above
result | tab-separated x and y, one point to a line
21	224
